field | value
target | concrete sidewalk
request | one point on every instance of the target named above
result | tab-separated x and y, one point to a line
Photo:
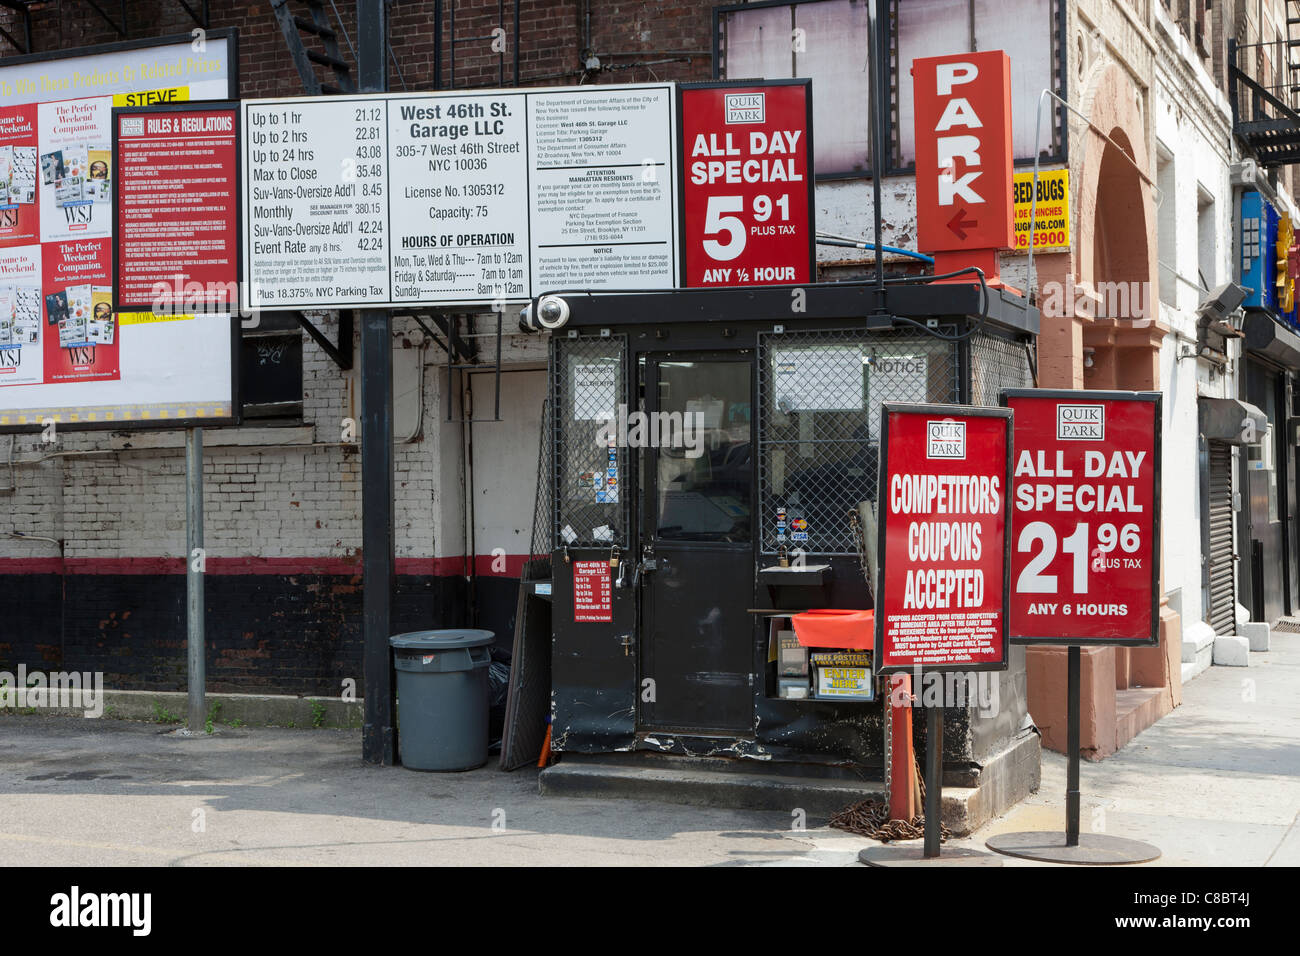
1214	783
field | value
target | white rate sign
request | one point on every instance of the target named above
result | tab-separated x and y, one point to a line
458	198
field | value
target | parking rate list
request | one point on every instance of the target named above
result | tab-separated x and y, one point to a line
448	198
316	214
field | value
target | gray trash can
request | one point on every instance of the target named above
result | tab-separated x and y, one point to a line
442	698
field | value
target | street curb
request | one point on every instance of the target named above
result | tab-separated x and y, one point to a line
1005	779
253	710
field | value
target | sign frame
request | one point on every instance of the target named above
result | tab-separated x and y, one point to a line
1084	395
880	669
230	36
386	100
682	163
231	106
943	228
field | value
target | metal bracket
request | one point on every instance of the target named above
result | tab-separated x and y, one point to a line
341	353
18	6
120	28
201	18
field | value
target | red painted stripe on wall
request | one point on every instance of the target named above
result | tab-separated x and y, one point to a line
451	566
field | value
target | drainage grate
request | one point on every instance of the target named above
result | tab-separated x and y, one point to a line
1287	625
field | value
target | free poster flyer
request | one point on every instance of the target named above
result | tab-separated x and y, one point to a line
66	353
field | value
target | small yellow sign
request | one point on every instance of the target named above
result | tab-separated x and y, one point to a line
173	94
1051	212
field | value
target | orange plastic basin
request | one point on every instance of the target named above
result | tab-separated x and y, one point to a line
833	627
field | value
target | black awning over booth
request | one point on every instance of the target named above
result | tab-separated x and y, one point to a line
860	302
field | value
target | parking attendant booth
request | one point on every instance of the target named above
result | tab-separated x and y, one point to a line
713	467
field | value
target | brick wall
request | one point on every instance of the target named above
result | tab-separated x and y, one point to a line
638	41
282	517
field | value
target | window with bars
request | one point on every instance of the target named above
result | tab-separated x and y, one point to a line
820	395
587	385
826	40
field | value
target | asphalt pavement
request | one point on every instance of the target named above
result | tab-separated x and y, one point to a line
1214	783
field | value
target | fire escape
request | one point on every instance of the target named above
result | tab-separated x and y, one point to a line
1263	88
114	14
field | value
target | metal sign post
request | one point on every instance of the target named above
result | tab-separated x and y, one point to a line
379	733
941	601
196	674
1086	525
933	781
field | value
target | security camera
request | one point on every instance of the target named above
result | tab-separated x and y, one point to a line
551	313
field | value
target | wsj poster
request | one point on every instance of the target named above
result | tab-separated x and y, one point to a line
66	352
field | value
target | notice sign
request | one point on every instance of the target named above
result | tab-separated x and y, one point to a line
177	209
747	184
943	547
458	198
592	591
1051	210
1085	517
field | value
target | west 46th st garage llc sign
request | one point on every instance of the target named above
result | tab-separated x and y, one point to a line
451	198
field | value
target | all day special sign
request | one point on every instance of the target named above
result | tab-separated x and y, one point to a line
68	352
747	184
963	151
943	545
458	198
1085	563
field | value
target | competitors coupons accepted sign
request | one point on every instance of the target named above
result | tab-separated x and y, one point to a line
943	545
1085	562
747	184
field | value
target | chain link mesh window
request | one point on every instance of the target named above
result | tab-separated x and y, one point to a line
538	567
996	363
820	395
588	383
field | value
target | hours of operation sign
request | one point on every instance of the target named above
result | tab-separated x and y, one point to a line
1085	507
453	198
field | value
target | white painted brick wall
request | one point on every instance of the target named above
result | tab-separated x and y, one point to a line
270	501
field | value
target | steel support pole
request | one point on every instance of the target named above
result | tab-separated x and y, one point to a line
1072	746
196	675
933	780
378	734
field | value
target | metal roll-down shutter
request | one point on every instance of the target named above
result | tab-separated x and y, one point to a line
1222	558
